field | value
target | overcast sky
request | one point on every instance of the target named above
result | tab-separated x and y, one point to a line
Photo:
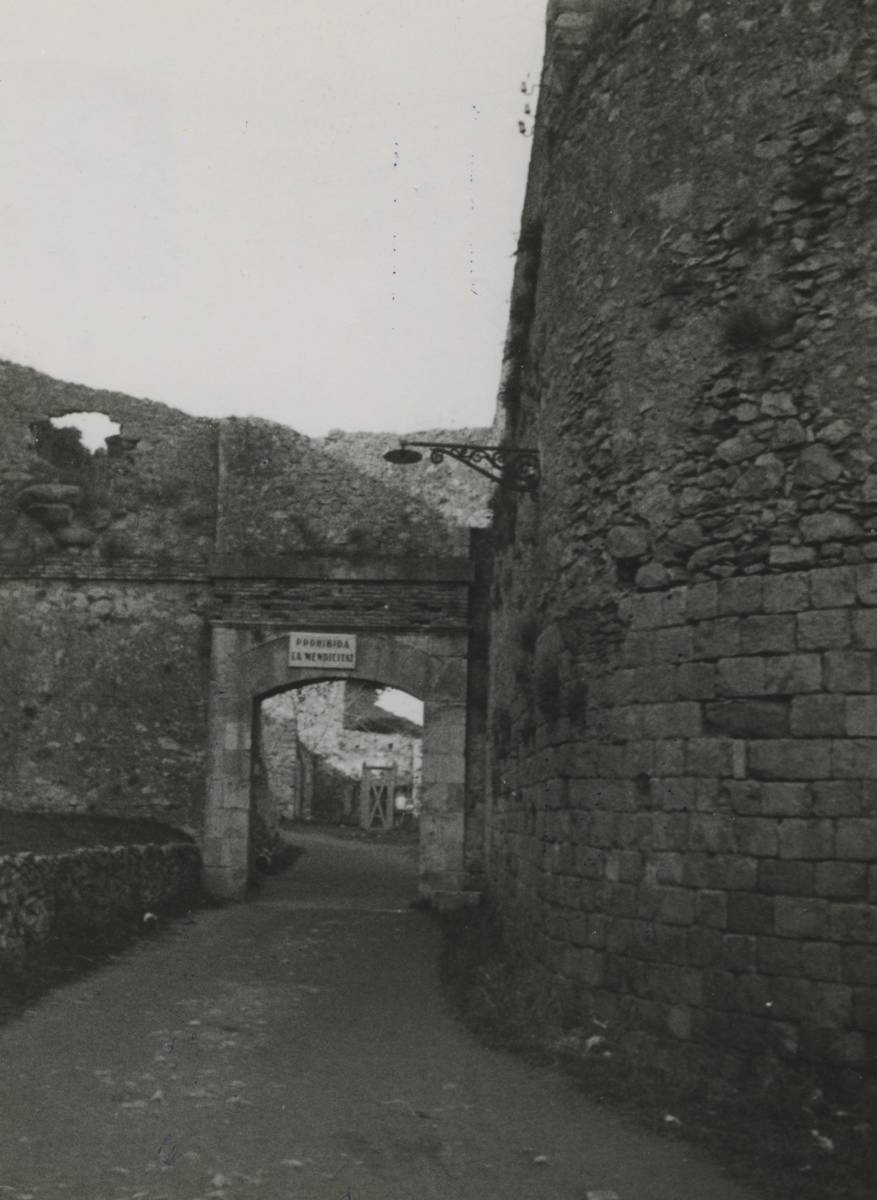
205	201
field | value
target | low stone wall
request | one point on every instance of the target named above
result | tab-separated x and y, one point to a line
43	896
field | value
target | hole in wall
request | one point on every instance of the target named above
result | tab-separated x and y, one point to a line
72	441
94	428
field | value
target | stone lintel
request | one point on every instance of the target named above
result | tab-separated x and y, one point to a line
338	567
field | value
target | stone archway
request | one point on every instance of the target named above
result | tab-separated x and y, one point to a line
430	666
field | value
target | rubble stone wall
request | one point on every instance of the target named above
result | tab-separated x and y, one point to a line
114	563
282	492
43	896
682	827
104	703
149	500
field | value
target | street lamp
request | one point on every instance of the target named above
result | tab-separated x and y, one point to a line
508	466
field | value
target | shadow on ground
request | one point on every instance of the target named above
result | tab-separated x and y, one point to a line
62	959
765	1136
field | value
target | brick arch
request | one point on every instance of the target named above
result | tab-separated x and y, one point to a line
430	666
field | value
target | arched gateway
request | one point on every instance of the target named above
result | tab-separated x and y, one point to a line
411	625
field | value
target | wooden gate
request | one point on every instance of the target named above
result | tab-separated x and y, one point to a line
377	796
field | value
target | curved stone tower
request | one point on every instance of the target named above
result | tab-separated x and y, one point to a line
683	819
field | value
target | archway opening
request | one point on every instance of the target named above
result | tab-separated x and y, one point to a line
247	669
345	755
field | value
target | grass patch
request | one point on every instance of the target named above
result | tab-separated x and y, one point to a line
510	392
530	239
498	997
274	859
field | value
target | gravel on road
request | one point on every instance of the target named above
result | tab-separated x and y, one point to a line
297	1047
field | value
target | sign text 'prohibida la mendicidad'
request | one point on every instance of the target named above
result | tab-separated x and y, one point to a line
336	651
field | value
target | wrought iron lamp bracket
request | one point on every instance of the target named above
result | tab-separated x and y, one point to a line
508	466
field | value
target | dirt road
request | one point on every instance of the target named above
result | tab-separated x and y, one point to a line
297	1048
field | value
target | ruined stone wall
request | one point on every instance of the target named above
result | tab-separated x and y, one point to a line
683	820
173	488
281	492
104	701
150	499
111	570
461	495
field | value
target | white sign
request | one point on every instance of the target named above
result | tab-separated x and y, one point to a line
337	651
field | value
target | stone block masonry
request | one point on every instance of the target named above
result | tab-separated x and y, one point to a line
682	825
746	820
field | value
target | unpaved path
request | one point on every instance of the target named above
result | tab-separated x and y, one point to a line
298	1047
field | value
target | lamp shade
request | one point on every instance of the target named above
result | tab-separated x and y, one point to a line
403	456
